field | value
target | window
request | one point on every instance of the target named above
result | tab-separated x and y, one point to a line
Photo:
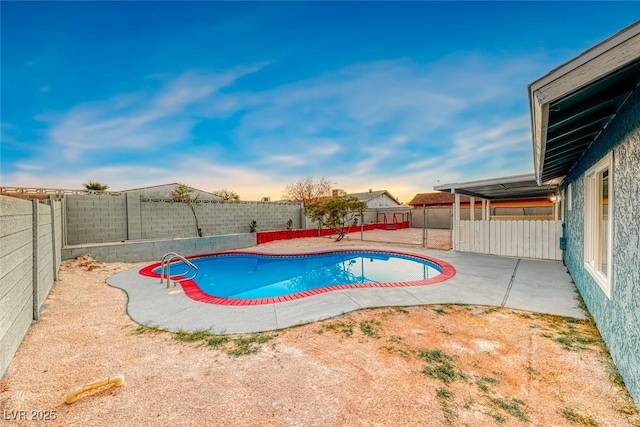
569	195
598	206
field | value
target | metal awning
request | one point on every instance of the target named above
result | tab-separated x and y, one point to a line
511	187
573	104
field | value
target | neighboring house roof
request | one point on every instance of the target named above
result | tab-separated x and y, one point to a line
571	105
447	199
165	190
435	199
370	195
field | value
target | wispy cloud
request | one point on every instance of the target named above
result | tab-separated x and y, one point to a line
142	119
366	103
394	124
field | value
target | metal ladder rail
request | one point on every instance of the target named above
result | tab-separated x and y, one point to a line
163	262
167	260
185	276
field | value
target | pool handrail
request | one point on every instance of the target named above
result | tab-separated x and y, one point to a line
167	259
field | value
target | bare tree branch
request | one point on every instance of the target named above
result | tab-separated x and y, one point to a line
307	190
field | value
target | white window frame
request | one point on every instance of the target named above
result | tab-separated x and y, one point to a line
593	223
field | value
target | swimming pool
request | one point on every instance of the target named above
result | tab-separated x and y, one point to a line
248	278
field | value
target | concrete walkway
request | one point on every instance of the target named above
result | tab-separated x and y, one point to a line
523	284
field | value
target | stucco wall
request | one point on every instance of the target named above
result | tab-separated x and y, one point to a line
618	318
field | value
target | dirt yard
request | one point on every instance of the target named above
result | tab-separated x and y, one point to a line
433	365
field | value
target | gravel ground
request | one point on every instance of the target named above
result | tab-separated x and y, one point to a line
428	366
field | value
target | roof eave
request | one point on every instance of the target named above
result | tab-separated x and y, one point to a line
590	66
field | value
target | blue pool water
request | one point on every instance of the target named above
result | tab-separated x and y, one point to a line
263	276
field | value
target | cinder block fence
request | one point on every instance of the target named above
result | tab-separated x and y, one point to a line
30	253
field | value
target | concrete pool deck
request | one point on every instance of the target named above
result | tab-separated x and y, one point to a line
522	284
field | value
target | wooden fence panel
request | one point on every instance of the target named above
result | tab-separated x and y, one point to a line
527	239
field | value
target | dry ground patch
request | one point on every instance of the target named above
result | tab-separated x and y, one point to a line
427	365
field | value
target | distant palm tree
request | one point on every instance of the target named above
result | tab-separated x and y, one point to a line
95	186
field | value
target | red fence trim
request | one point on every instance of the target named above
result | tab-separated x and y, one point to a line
270	236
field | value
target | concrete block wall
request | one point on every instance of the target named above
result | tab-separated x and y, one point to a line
96	218
16	275
134	218
115	217
155	250
162	219
57	237
27	250
44	279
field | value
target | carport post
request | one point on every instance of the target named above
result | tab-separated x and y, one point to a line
424	226
456	219
472	208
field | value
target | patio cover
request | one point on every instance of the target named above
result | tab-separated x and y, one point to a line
511	187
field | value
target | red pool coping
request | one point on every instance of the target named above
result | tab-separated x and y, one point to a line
192	290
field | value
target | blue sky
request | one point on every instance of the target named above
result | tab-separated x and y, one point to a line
253	96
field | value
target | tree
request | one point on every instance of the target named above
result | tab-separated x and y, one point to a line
226	194
307	190
182	194
336	213
95	186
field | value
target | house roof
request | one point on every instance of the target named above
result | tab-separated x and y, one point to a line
169	185
369	195
574	103
511	187
435	199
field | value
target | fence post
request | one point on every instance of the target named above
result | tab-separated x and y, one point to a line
34	228
63	219
133	213
54	258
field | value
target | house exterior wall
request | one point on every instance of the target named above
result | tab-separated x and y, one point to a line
618	318
381	201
